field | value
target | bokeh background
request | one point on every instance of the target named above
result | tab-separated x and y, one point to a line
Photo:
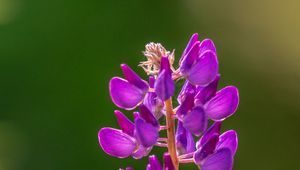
56	59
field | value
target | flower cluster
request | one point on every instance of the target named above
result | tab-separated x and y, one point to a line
200	104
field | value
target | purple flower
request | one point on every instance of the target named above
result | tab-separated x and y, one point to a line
200	104
216	151
129	92
146	127
134	139
199	63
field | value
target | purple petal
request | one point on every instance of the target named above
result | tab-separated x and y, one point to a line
214	129
207	44
148	116
194	38
133	78
184	140
116	143
154	163
165	64
204	70
207	149
186	106
154	104
164	85
195	121
125	124
223	104
190	59
187	88
124	94
141	152
146	133
151	81
221	160
168	164
229	140
148	167
206	93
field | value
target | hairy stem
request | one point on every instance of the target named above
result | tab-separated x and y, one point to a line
171	132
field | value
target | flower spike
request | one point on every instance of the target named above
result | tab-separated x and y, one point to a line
199	104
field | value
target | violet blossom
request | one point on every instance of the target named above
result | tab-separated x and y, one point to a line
199	102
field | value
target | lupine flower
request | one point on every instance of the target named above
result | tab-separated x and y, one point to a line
216	151
200	102
127	93
199	63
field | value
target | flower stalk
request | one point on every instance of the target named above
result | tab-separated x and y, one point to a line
171	132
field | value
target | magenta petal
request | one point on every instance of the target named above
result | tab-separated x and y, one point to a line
146	133
194	38
141	152
124	94
204	70
184	140
165	64
229	140
221	160
148	116
207	149
207	44
154	163
195	121
151	81
223	104
190	58
125	124
186	106
168	164
186	89
206	93
154	104
116	143
164	85
214	129
133	78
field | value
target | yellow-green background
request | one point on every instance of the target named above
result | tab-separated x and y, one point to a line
57	56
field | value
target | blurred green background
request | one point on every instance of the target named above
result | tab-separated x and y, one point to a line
56	59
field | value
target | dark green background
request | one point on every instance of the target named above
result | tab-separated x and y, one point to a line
57	56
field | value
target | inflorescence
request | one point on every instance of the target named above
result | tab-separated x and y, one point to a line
199	105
